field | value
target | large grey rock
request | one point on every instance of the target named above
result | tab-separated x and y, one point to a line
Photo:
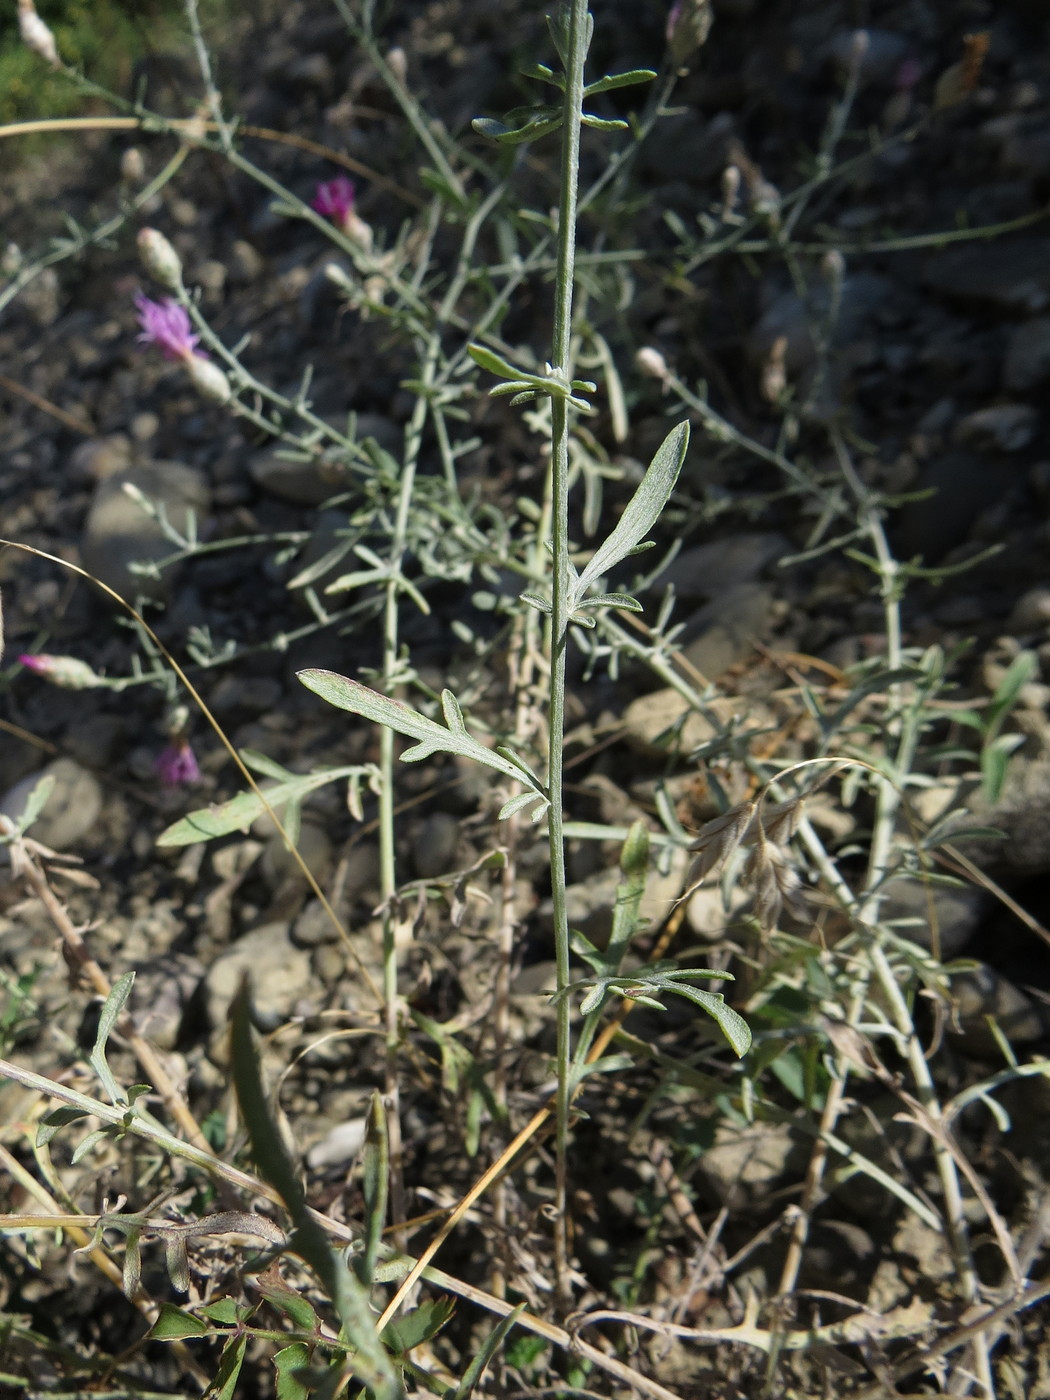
1027	363
277	971
1011	276
746	1163
70	813
119	533
1003	427
985	993
709	570
663	722
725	630
956	912
308	482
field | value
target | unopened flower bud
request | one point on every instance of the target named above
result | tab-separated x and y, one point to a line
64	671
357	230
397	62
730	189
160	259
688	25
208	379
132	166
651	363
833	266
858	49
35	33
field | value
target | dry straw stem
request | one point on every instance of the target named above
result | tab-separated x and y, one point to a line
190	126
227	745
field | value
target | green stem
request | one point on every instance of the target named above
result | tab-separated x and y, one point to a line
575	56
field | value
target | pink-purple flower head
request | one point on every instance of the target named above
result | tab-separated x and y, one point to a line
177	764
166	324
64	671
334	199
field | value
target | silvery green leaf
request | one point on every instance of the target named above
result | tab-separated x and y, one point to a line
488	360
593	999
543	74
582	620
112	1008
612	600
86	1144
603	123
642	512
514	386
516	804
527	396
520	765
37	801
535	601
432	738
619	80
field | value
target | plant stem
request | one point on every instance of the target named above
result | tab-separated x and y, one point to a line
576	52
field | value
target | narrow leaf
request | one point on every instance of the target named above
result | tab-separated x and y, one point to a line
612	600
309	1240
112	1008
603	123
375	1177
487	359
642	512
486	1352
619	80
36	801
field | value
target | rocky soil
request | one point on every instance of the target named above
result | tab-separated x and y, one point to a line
936	365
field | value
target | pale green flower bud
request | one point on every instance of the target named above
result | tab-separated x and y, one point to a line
208	379
160	259
64	671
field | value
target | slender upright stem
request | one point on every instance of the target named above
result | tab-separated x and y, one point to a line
575	54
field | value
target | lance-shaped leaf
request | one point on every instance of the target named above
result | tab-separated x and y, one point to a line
431	737
617	80
112	1008
239	812
642	512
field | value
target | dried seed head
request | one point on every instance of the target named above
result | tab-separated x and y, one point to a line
780	820
718	839
773	883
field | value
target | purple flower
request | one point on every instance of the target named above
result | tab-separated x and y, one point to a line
167	325
177	765
334	199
